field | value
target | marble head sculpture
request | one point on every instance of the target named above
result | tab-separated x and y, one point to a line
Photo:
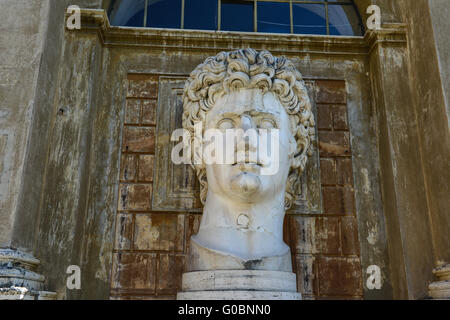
242	222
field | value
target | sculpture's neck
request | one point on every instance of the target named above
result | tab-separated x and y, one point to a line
220	211
240	228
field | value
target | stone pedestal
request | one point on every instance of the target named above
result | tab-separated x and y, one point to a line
18	279
441	289
239	285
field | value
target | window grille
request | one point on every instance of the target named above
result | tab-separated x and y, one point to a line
324	17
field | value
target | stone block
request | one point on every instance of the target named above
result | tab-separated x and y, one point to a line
340	121
257	280
339	276
149	112
159	231
124	232
339	298
141	86
308	297
336	143
128	167
192	227
239	285
303	230
170	270
331	92
142	297
138	139
349	200
307	282
134	271
324	117
332	200
338	200
146	168
328	174
135	197
328	236
344	171
132	112
238	295
349	236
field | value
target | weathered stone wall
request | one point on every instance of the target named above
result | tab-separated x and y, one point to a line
414	149
388	10
440	11
23	26
61	140
428	49
43	121
34	37
31	43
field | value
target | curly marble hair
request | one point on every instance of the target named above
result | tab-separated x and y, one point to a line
248	68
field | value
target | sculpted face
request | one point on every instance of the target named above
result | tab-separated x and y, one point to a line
243	180
245	196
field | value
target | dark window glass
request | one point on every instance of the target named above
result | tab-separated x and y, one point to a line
127	13
237	15
274	17
309	18
164	13
344	20
200	14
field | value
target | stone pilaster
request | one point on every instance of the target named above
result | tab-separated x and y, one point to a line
401	168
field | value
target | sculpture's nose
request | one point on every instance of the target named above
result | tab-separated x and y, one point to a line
248	142
246	122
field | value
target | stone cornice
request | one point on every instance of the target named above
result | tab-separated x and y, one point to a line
392	34
96	21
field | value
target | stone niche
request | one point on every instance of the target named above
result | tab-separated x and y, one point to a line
159	206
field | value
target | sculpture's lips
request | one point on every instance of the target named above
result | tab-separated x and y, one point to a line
249	163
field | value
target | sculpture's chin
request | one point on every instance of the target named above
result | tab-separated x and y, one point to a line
245	184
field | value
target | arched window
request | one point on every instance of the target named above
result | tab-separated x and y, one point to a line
327	17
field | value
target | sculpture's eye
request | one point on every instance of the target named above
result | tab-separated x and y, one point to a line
225	124
267	124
